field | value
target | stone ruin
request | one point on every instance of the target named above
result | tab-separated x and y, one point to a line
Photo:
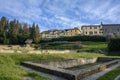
63	68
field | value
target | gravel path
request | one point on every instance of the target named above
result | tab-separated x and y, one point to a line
97	75
117	78
43	74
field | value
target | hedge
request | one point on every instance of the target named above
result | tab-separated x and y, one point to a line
77	38
114	44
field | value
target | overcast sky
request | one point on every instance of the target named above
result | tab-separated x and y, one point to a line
61	14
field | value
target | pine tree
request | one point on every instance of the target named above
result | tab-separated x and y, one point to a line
26	32
37	34
14	32
3	24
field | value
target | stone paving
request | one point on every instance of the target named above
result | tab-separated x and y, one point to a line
117	78
97	75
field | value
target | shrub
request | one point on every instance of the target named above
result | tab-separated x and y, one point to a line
114	44
77	38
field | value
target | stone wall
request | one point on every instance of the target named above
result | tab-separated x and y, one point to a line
50	70
94	69
50	51
104	59
29	50
69	62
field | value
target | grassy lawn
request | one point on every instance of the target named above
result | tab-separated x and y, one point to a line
110	75
73	45
9	70
94	45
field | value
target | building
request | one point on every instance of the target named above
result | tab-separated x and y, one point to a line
102	29
92	30
59	33
109	29
72	32
50	34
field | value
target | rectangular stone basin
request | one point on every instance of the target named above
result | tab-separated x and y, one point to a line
72	69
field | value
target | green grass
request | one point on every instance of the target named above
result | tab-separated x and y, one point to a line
73	45
9	70
94	45
110	75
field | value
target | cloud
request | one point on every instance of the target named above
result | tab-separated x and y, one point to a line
60	14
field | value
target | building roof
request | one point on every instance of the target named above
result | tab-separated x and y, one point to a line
48	31
76	28
90	26
54	30
110	24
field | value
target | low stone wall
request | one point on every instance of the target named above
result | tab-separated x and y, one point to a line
50	51
30	50
6	51
68	63
94	69
104	59
50	70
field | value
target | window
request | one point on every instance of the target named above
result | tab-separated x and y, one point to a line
101	32
105	30
91	33
95	27
118	29
90	27
95	32
86	32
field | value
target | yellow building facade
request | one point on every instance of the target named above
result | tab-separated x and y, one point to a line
60	33
92	30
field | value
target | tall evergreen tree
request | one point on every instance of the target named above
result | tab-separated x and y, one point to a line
14	32
26	32
3	23
32	31
37	34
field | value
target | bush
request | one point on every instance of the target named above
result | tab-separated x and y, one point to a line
114	44
77	38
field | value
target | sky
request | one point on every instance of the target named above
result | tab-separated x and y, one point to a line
61	14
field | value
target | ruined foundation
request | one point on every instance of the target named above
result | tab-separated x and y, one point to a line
72	69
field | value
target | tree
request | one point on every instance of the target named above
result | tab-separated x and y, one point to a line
26	32
14	32
3	23
37	34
